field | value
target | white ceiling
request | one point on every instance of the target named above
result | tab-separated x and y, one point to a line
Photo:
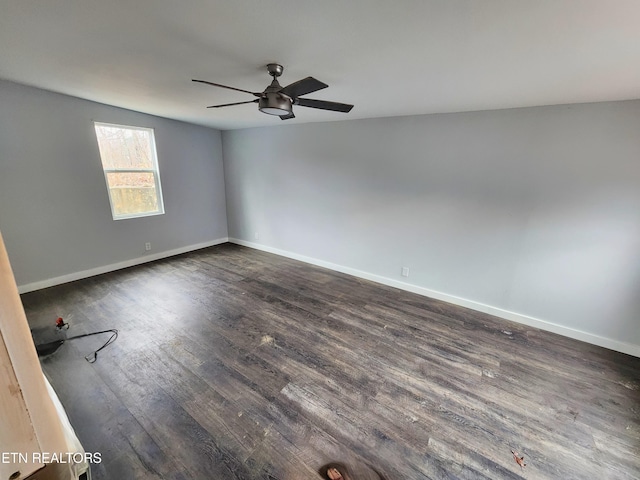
387	57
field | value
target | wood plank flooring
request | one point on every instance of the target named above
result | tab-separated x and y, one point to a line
236	364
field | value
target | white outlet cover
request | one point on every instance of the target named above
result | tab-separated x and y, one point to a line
405	271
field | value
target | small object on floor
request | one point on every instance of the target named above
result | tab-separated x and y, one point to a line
335	471
60	324
334	474
360	471
519	460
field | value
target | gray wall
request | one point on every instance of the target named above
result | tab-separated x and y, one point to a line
54	207
535	211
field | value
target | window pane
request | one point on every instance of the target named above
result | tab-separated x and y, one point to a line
131	179
132	193
124	148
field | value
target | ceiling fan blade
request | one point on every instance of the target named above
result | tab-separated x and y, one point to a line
231	104
287	117
324	105
302	87
230	88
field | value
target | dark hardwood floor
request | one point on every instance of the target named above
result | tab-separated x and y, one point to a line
237	364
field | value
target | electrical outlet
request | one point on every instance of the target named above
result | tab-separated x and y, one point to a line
256	236
147	246
405	271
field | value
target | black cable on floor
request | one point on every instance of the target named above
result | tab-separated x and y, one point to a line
92	357
49	348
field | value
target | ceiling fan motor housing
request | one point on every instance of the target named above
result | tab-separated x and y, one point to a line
275	104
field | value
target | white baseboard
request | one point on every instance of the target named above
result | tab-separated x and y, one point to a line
71	277
591	338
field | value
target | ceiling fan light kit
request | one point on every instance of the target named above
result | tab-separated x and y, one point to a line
275	104
279	101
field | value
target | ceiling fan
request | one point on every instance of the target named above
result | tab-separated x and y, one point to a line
278	100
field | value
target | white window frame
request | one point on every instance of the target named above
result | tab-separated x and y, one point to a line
155	171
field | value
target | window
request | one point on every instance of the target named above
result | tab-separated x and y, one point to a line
130	169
